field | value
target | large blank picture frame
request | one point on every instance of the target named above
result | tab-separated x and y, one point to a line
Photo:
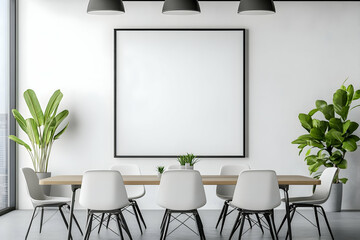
179	91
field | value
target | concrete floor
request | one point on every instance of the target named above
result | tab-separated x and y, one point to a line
13	226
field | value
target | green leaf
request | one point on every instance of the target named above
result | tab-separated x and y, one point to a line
336	123
335	135
320	104
340	98
352	127
349	145
61	132
312	112
315	144
342	164
53	104
306	121
32	131
328	111
19	141
350	94
34	106
353	137
308	152
343	180
356	95
19	119
344	112
322	125
317	133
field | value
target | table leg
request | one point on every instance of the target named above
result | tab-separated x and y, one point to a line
73	189
285	188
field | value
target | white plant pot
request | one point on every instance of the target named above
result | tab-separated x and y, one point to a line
187	166
46	188
333	204
182	166
159	175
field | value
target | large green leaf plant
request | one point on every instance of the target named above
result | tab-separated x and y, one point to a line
41	129
330	138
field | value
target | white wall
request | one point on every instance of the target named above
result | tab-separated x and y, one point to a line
300	54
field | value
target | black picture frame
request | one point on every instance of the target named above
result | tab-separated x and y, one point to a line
244	90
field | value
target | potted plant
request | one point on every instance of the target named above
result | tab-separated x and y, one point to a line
182	160
41	130
160	170
189	160
329	139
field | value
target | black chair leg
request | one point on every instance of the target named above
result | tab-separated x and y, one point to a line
259	221
291	218
273	224
327	222
317	220
224	216
126	228
140	214
32	218
242	225
101	222
88	227
63	217
248	218
42	218
108	221
199	225
292	208
119	226
221	215
163	220
165	230
270	225
136	215
236	225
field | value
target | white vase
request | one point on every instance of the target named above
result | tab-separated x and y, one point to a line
333	204
159	175
45	188
182	166
187	166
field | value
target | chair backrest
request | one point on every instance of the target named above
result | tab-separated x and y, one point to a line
32	181
133	191
173	167
181	190
257	190
103	190
322	191
227	191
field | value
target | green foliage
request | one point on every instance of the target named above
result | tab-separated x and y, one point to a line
328	140
188	158
160	169
41	129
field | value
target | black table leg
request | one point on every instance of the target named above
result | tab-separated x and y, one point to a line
285	188
73	189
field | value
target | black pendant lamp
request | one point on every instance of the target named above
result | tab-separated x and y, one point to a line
181	7
256	7
105	7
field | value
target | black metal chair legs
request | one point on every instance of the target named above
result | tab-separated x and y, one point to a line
168	217
42	217
242	215
293	208
120	220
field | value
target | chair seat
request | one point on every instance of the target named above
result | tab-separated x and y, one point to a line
305	200
51	201
135	196
224	197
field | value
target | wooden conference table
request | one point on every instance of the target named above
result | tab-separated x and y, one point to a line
284	182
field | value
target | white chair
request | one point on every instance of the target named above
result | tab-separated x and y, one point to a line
320	196
181	192
256	191
173	167
226	192
40	200
103	191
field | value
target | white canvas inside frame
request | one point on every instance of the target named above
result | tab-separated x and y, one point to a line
178	92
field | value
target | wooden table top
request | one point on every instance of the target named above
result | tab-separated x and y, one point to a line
154	180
